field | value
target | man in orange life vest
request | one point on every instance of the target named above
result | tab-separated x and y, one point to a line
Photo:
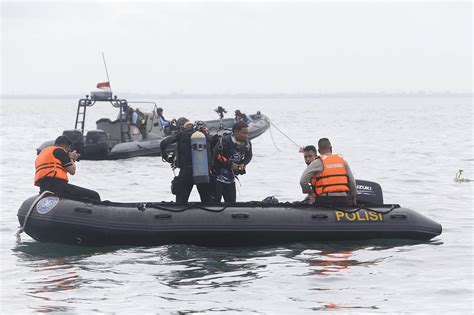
52	165
328	179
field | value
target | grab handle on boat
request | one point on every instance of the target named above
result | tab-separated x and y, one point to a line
83	210
240	215
162	216
398	216
319	216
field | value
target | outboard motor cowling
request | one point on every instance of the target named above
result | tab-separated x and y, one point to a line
96	144
369	192
199	158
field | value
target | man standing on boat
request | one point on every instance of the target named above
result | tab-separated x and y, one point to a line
329	179
232	154
52	166
183	184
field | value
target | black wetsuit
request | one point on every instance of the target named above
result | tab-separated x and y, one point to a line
231	152
182	185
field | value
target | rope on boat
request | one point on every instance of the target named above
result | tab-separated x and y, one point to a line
393	207
286	136
21	229
273	140
212	210
364	207
143	206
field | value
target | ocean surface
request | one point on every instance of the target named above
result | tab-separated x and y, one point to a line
412	147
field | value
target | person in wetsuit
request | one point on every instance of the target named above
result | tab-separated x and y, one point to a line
183	184
231	155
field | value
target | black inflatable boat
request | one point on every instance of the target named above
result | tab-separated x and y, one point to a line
53	219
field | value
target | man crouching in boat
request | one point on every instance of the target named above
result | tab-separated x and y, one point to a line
328	179
52	166
310	153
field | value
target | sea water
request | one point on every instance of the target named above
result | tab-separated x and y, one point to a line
412	147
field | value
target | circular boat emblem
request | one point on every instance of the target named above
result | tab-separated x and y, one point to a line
46	204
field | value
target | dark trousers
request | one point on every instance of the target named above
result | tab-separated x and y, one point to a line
63	189
333	200
226	190
183	184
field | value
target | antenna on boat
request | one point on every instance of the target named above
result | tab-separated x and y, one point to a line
106	72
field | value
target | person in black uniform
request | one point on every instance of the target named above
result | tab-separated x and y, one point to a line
52	166
183	184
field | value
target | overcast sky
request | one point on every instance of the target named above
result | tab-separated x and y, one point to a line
236	47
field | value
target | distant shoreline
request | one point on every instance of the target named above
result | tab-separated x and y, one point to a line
245	95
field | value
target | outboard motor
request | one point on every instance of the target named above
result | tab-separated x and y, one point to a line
369	192
77	140
199	158
96	144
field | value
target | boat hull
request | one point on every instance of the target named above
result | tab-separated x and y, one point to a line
67	221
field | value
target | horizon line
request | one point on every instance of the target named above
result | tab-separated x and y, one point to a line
256	95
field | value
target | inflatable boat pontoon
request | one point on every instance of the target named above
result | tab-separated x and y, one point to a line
53	219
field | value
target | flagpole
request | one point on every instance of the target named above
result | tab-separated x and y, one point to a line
106	72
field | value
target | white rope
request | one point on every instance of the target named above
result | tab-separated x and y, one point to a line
21	229
287	137
273	140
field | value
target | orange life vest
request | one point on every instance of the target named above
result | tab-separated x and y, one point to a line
47	165
333	178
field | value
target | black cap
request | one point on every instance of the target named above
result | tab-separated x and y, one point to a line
159	110
62	140
237	111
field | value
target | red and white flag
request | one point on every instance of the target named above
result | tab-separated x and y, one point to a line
104	86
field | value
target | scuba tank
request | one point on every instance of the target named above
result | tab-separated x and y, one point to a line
199	158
